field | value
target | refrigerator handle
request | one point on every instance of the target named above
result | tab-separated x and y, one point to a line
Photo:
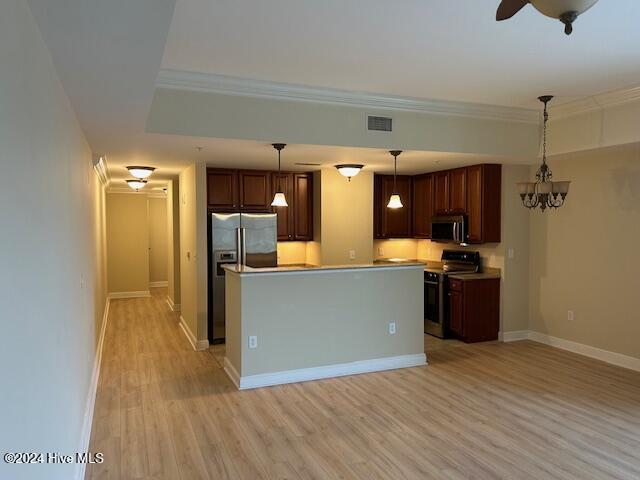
240	248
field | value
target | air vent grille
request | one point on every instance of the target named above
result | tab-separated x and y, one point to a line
379	124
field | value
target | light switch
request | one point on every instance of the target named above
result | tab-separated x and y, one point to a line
511	253
352	254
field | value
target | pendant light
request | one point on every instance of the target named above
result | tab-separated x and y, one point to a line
136	184
141	172
279	200
394	199
543	192
349	169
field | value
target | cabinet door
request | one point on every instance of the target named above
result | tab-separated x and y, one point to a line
285	214
255	191
458	191
303	206
455	313
441	193
474	203
422	205
396	222
222	190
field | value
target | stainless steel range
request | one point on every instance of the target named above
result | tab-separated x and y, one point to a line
436	313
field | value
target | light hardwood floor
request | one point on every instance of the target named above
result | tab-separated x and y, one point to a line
515	411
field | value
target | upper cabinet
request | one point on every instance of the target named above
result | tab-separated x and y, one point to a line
484	188
423	205
392	222
255	191
222	190
251	191
472	191
450	192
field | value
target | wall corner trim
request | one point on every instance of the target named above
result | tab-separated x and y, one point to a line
91	396
197	345
140	294
324	371
160	283
613	358
175	307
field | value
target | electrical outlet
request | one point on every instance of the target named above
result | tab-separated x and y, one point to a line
253	341
511	253
352	254
392	328
380	251
570	315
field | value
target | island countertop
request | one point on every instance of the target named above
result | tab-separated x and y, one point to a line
233	268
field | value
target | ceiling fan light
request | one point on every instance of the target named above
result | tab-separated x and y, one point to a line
349	170
136	184
394	201
556	8
279	200
141	172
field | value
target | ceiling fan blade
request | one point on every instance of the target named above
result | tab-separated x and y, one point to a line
508	8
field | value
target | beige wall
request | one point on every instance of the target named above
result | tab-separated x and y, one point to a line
292	252
346	217
157	239
52	280
515	235
173	243
193	249
584	256
338	316
127	242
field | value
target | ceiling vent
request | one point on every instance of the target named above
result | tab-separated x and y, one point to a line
378	124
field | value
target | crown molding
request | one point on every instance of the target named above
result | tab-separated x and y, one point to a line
227	85
102	170
596	102
128	190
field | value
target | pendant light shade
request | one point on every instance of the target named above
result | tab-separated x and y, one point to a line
279	200
136	184
394	199
349	169
141	172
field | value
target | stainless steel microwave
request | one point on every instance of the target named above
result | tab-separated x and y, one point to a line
451	229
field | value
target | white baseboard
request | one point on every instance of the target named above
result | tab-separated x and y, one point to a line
195	343
140	294
513	336
161	283
607	356
87	421
175	307
326	371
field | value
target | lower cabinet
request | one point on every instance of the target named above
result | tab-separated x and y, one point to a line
474	309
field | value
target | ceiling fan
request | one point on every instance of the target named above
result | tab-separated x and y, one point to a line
564	10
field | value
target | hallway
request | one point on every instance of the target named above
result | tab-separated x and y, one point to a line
492	410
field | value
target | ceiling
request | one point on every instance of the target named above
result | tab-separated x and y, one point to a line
437	49
108	55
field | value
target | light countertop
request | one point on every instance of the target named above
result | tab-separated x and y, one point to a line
233	268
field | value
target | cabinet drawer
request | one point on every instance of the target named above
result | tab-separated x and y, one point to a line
455	284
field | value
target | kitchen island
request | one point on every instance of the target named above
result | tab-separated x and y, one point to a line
291	324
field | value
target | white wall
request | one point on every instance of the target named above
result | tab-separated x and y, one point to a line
52	283
157	239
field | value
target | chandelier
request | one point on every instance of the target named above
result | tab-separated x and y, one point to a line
543	192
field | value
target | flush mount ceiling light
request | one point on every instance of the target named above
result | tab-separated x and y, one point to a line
279	200
349	169
543	192
394	199
564	10
141	172
136	184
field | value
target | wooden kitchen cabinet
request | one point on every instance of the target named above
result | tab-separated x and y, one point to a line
474	309
450	197
423	205
285	217
483	192
302	206
255	191
222	190
390	222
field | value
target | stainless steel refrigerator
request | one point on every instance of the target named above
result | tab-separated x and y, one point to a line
258	248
